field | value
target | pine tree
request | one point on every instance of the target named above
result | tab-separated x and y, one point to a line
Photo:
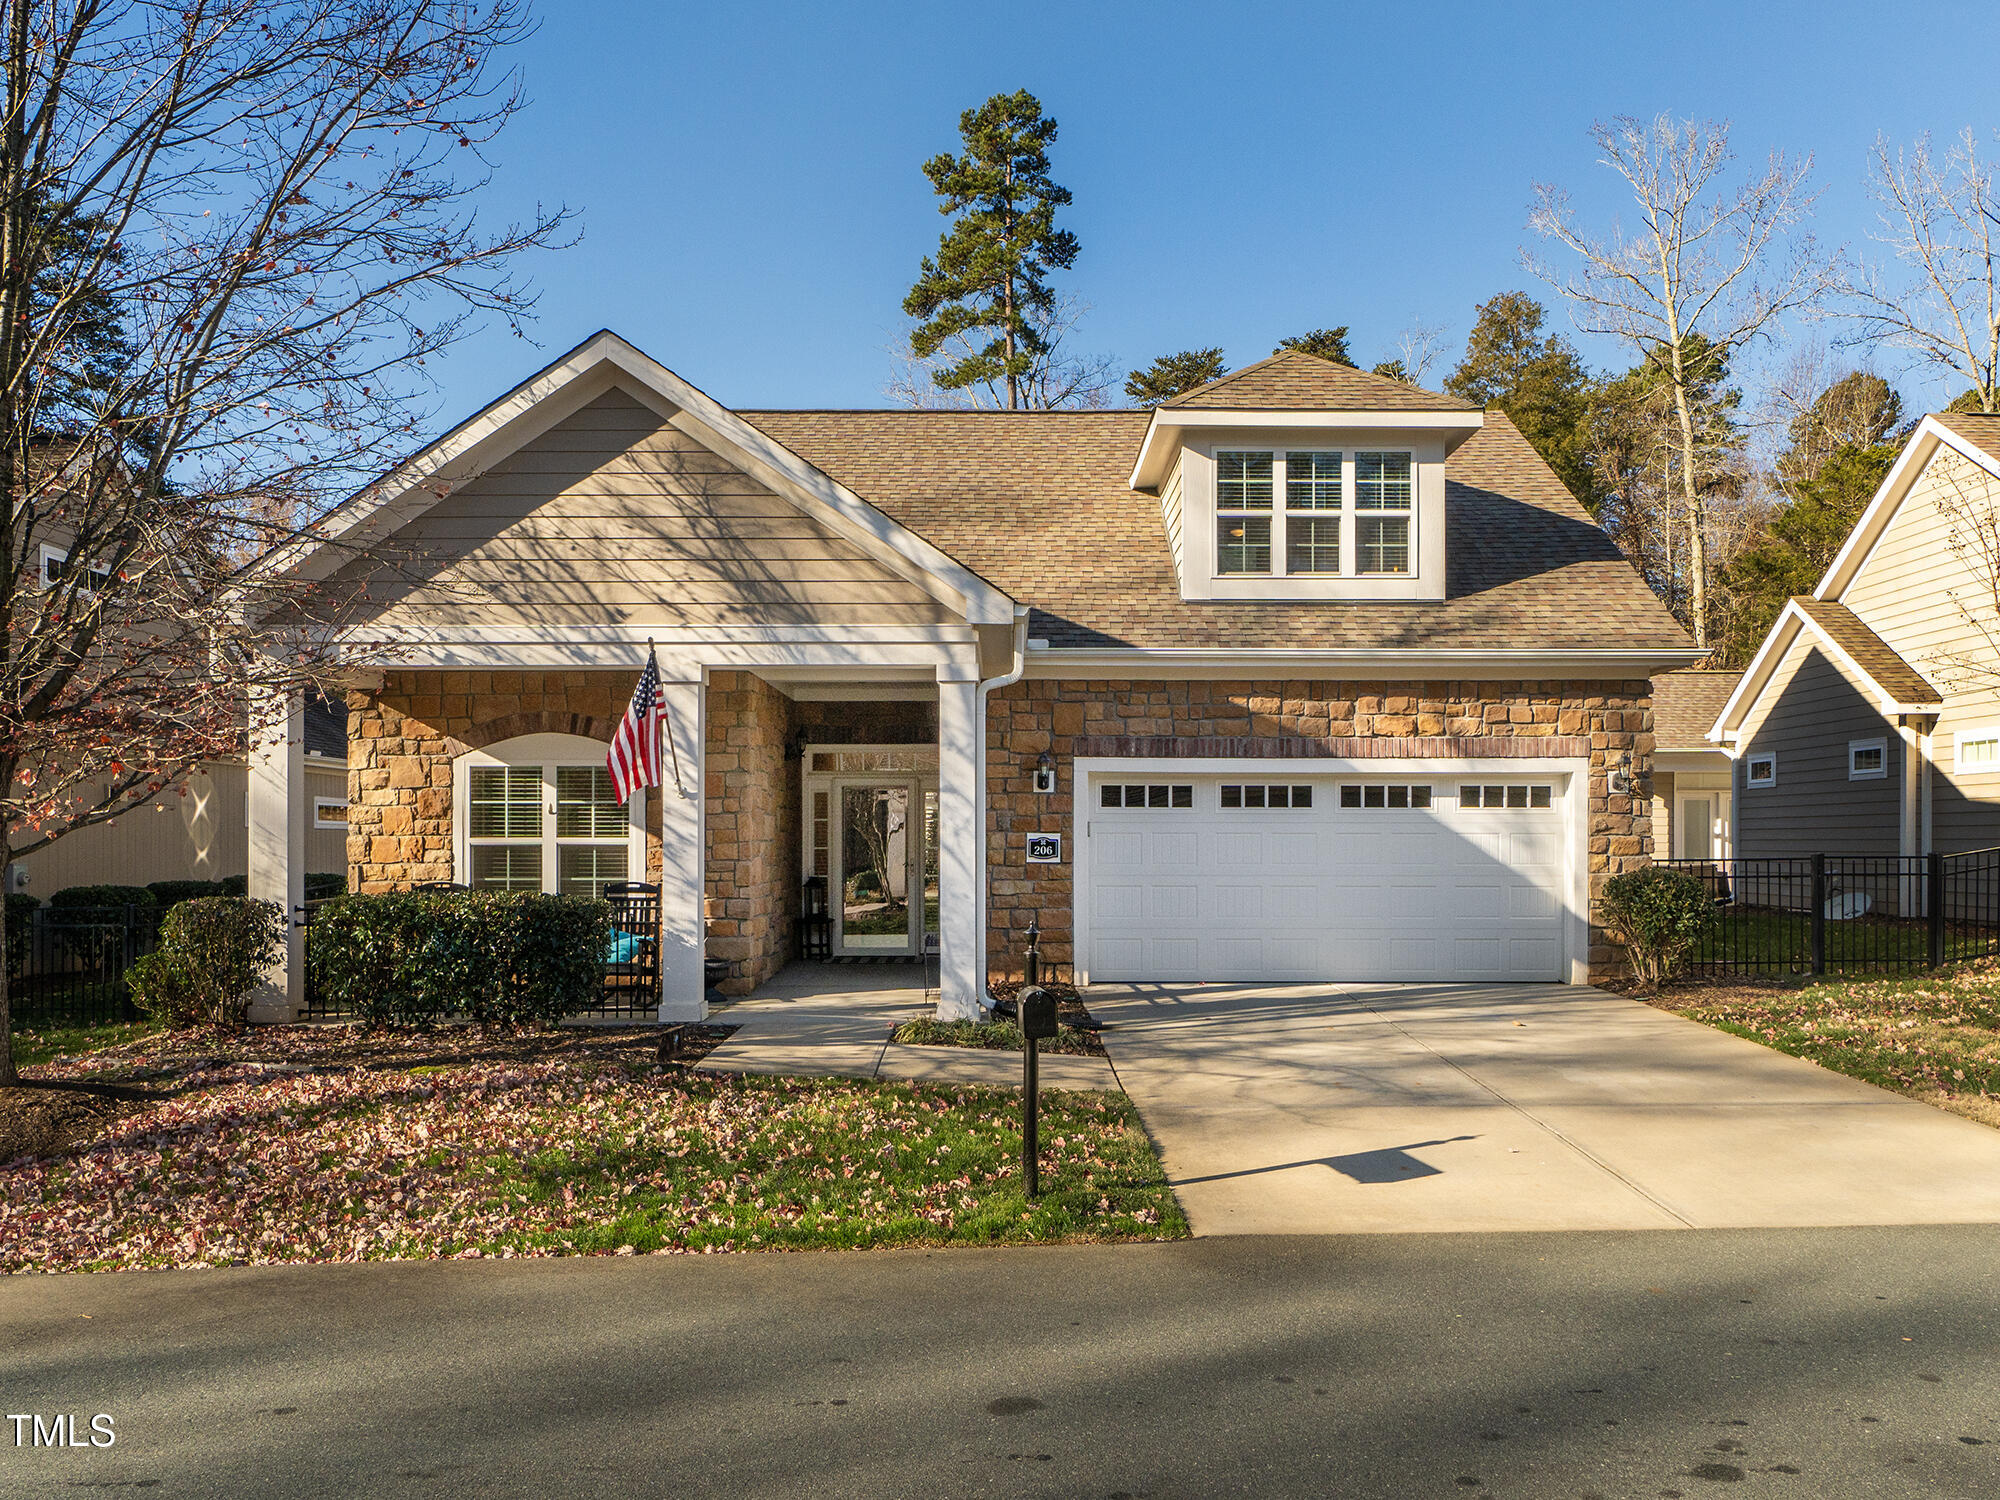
1538	381
987	288
1173	375
1329	344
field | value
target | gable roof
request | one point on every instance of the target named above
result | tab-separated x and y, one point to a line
560	389
1294	381
1686	702
1039	503
1981	429
1970	434
1899	688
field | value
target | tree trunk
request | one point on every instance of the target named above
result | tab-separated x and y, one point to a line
15	279
1691	494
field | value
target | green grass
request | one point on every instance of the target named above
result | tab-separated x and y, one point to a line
34	1045
993	1036
1758	938
1935	1036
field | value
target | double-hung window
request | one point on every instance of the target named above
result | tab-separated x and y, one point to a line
1312	512
545	827
1383	492
1243	486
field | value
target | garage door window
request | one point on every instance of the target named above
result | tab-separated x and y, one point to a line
1385	796
1516	796
1251	795
1154	794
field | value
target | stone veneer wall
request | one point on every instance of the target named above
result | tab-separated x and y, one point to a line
1288	720
402	739
753	820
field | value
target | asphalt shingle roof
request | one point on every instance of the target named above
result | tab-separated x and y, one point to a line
1037	503
1686	703
1292	381
1875	656
1977	428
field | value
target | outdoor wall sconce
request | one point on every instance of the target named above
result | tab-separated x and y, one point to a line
1045	773
795	747
1619	782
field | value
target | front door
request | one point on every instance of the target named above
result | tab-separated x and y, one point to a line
1697	828
881	860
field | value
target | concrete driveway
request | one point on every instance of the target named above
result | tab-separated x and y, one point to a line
1401	1108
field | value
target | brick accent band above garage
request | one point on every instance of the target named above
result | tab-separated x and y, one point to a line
1254	747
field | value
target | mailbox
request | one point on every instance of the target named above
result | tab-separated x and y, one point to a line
1038	1014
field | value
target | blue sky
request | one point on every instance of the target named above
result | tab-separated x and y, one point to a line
749	189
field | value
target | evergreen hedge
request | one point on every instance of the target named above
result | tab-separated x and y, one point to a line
414	958
212	949
1659	915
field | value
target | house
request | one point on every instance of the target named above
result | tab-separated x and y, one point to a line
1307	674
199	830
1868	723
1693	797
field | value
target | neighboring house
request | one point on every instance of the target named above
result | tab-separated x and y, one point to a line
1869	720
1306	675
199	830
1693	800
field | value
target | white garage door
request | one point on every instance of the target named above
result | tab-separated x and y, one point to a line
1305	877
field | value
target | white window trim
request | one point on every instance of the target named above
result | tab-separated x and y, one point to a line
320	821
55	554
1856	747
548	751
1750	777
1973	734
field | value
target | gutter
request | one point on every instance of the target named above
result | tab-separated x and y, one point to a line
1006	679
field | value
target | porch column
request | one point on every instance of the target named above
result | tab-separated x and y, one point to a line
961	898
683	855
277	855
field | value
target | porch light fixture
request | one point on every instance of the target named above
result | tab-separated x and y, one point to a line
795	747
1045	772
1619	781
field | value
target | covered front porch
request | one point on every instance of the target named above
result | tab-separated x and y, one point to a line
836	814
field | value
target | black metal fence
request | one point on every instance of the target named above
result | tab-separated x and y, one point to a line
1847	914
631	969
66	964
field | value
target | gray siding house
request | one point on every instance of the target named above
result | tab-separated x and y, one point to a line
1869	720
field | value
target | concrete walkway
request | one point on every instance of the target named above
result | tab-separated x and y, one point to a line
1348	1108
835	1020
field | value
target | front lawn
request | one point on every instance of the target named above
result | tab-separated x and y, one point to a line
1766	939
1934	1036
318	1144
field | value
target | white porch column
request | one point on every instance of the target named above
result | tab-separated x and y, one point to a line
961	806
277	858
683	856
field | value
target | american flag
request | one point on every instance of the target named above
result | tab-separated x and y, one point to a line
634	758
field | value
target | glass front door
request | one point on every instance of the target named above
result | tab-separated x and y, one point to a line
1697	828
877	846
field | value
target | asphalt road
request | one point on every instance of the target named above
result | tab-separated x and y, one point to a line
1797	1363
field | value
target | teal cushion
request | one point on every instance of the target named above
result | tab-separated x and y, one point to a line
624	948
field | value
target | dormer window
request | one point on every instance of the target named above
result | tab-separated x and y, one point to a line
1254	537
1382	494
1242	512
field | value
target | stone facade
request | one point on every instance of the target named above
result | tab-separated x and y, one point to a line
753	829
404	736
1290	720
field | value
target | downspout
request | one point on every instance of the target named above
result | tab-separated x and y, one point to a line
1006	679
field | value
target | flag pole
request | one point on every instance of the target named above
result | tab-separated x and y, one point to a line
667	723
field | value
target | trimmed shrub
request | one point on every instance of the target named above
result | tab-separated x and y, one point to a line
212	950
1659	915
21	909
174	892
414	958
102	895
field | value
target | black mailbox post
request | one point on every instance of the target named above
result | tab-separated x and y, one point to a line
1037	1009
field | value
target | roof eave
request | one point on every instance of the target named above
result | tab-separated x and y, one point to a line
1154	459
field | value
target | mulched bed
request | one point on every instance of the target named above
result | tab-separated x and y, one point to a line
40	1119
1071	1014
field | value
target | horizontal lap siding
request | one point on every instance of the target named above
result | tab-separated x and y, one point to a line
612	516
1914	592
1812	711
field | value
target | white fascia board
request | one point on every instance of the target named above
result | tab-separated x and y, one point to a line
1910	464
666	635
583	375
1210	663
1151	465
1764	665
